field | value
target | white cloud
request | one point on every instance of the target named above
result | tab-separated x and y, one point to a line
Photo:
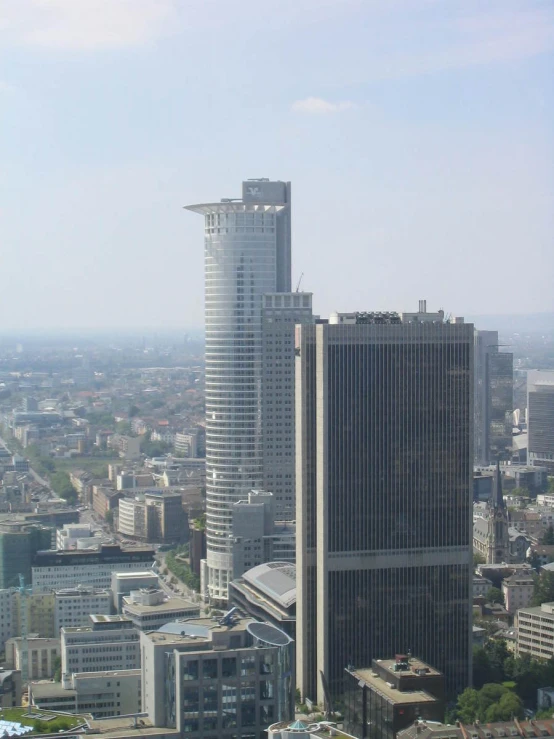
318	106
85	24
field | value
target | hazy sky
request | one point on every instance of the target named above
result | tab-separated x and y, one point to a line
418	136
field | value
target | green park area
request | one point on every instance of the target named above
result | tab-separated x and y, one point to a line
42	722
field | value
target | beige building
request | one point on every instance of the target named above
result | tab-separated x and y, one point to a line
536	631
42	654
39	616
518	591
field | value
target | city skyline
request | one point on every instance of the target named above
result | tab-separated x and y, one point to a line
419	151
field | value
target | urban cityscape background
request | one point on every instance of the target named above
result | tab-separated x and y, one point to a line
276	452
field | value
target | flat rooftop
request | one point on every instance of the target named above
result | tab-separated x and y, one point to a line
168	606
390	693
51	690
195	629
123	726
415	664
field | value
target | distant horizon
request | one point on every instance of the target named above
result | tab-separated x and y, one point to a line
195	331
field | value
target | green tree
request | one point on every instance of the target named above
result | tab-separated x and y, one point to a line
481	667
544	588
62	486
495	595
57	667
468	706
548	536
508	707
498	653
134	410
478	559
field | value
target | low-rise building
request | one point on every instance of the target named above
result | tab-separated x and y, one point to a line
128	447
268	593
481	586
73	606
105	499
515	728
75	536
149	609
111	642
103	693
123	583
517	590
535	631
42	655
382	700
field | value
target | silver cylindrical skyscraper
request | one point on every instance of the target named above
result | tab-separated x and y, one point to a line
247	254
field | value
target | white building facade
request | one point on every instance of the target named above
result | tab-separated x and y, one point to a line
247	255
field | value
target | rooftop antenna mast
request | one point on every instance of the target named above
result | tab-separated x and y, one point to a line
299	281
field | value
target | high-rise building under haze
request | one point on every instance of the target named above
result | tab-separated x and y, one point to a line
383	495
247	255
493	399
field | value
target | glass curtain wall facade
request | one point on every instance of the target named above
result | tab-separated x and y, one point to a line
384	451
247	254
493	399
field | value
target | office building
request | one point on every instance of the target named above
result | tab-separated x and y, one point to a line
535	632
389	696
73	606
103	693
110	642
186	443
19	543
247	255
208	679
384	494
257	537
58	570
149	609
493	399
540	419
156	515
268	593
280	313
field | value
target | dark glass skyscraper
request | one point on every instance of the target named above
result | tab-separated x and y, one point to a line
493	399
384	468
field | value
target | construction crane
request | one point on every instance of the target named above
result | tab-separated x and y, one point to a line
299	281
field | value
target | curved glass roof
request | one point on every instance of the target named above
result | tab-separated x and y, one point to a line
276	580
